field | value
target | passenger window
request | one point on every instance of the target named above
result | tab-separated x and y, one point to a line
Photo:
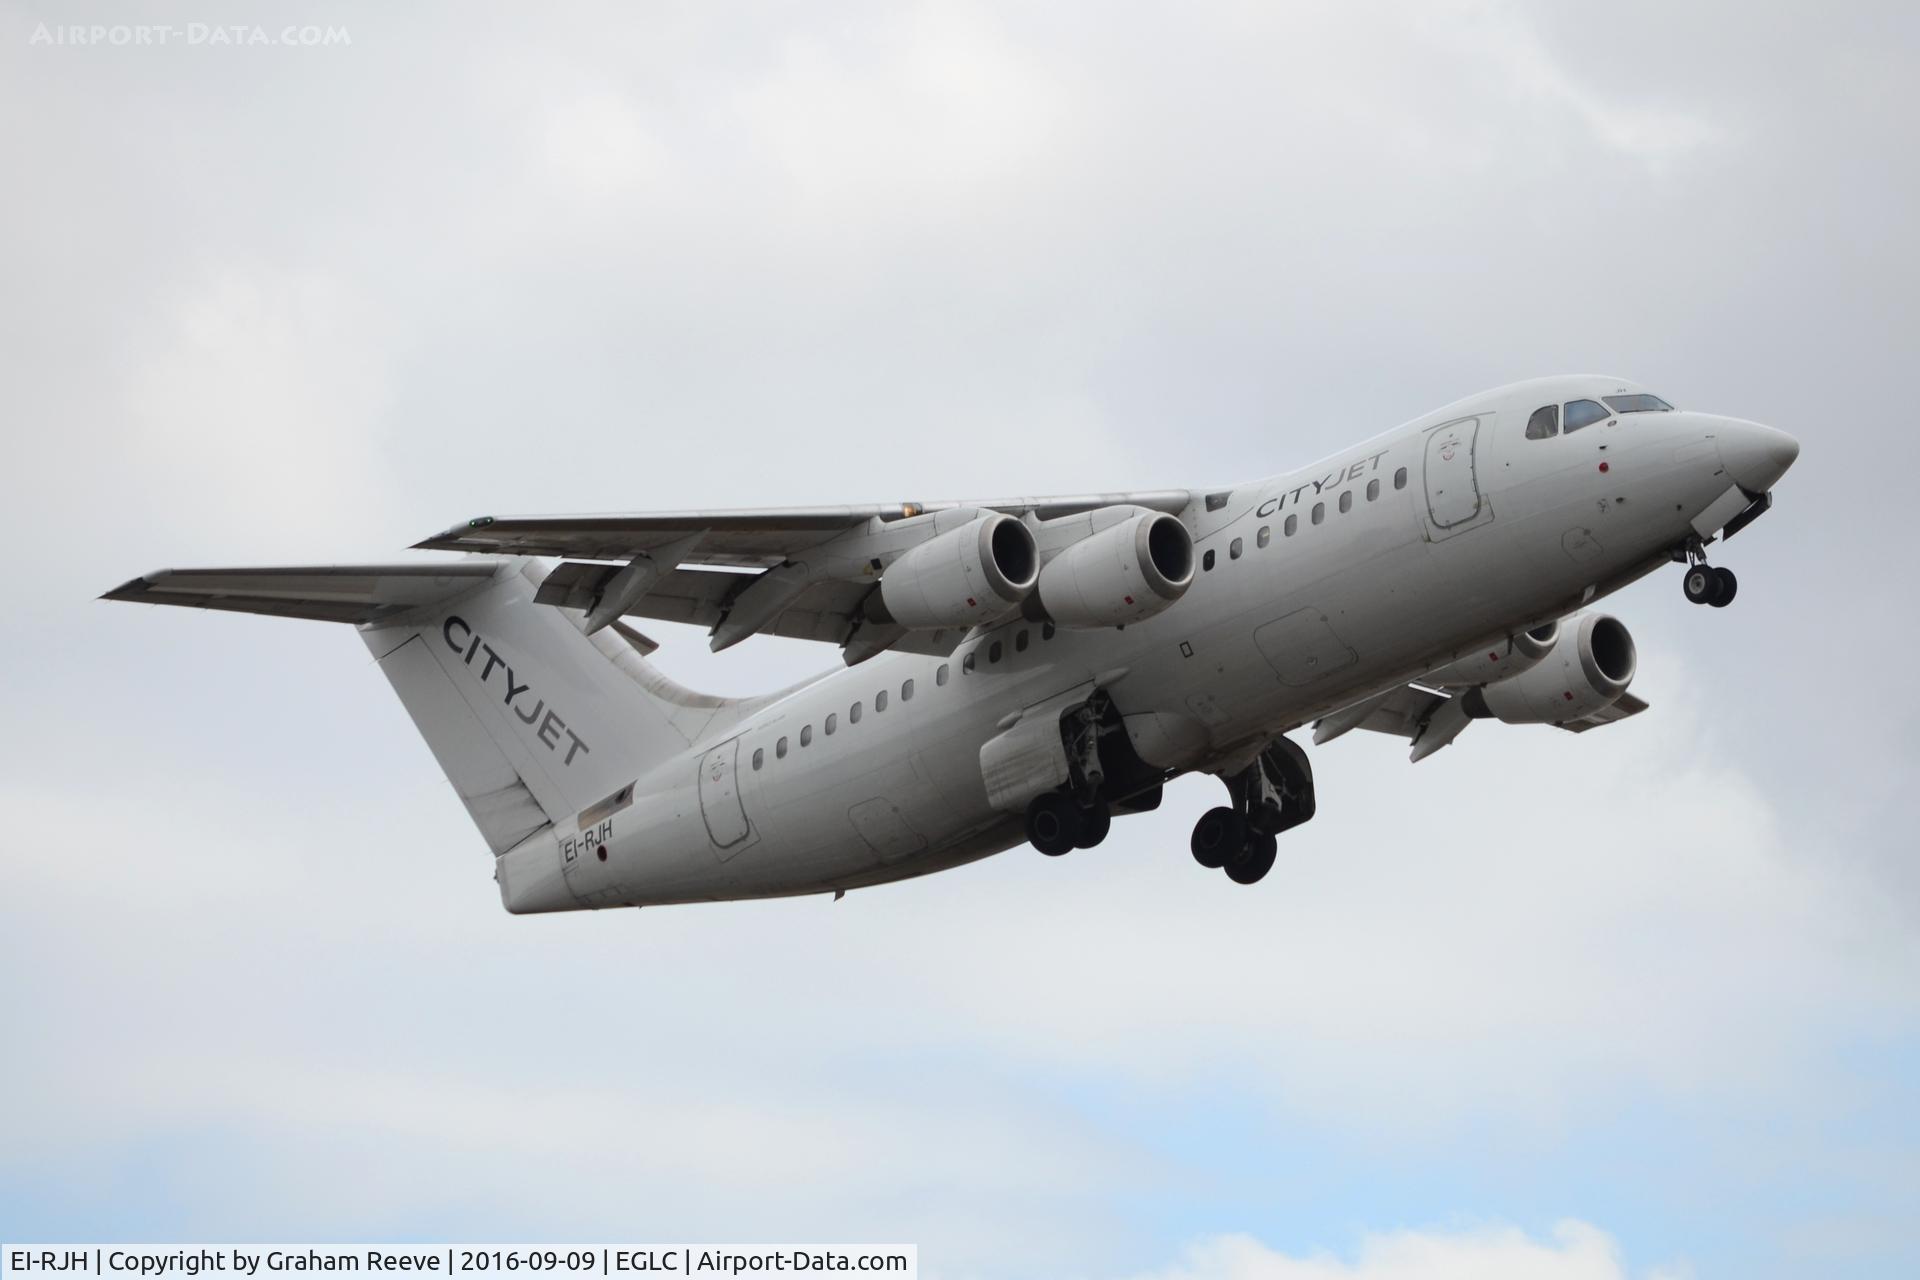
1293	522
759	757
906	691
1319	512
1206	561
1400	478
1346	501
940	676
1583	413
966	663
853	714
780	749
880	702
1373	490
1234	549
994	651
1545	422
833	722
1020	641
1265	536
806	735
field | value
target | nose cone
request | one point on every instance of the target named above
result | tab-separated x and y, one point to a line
1755	456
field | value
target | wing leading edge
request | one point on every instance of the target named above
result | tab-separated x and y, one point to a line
805	573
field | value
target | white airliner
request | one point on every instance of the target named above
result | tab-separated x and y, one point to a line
1028	669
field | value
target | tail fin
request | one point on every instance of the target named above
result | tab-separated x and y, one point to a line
531	720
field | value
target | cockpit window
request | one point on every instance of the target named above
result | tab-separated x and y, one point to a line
1545	422
1638	404
1584	413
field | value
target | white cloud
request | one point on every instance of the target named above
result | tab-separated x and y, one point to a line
1574	1251
929	111
255	403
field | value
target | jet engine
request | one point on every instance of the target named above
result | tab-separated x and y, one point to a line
965	576
1500	661
1124	573
1589	666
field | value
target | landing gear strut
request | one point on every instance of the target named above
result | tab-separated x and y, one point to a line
1705	584
1271	795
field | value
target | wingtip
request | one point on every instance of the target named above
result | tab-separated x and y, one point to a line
453	539
135	589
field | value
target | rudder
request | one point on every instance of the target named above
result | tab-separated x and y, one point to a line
531	720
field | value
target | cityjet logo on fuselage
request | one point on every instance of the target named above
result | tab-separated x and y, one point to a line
546	724
1338	480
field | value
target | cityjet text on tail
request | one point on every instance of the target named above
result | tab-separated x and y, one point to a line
1029	670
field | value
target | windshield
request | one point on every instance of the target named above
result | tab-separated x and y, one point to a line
1638	404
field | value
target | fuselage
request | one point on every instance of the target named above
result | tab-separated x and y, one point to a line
1316	588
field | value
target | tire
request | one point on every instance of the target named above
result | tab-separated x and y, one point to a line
1254	861
1726	586
1095	822
1219	833
1701	584
1053	823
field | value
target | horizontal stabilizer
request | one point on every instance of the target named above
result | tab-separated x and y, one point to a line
324	593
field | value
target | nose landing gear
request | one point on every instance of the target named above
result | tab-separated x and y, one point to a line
1703	583
1271	795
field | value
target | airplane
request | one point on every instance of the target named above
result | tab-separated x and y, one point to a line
1029	669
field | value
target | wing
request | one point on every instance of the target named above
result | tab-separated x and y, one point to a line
1430	720
744	538
325	593
828	611
746	571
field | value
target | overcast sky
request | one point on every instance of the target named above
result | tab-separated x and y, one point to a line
1634	1003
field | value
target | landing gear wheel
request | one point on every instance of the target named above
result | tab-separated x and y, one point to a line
1702	583
1725	587
1219	834
1095	821
1254	860
1053	823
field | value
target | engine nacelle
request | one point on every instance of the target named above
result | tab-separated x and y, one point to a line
963	577
1500	661
1124	573
1590	665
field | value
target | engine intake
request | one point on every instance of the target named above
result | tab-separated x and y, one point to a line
965	576
1124	573
1589	666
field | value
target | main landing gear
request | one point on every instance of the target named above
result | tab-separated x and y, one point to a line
1057	823
1704	584
1078	815
1271	795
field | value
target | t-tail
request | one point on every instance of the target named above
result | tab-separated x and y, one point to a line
539	726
